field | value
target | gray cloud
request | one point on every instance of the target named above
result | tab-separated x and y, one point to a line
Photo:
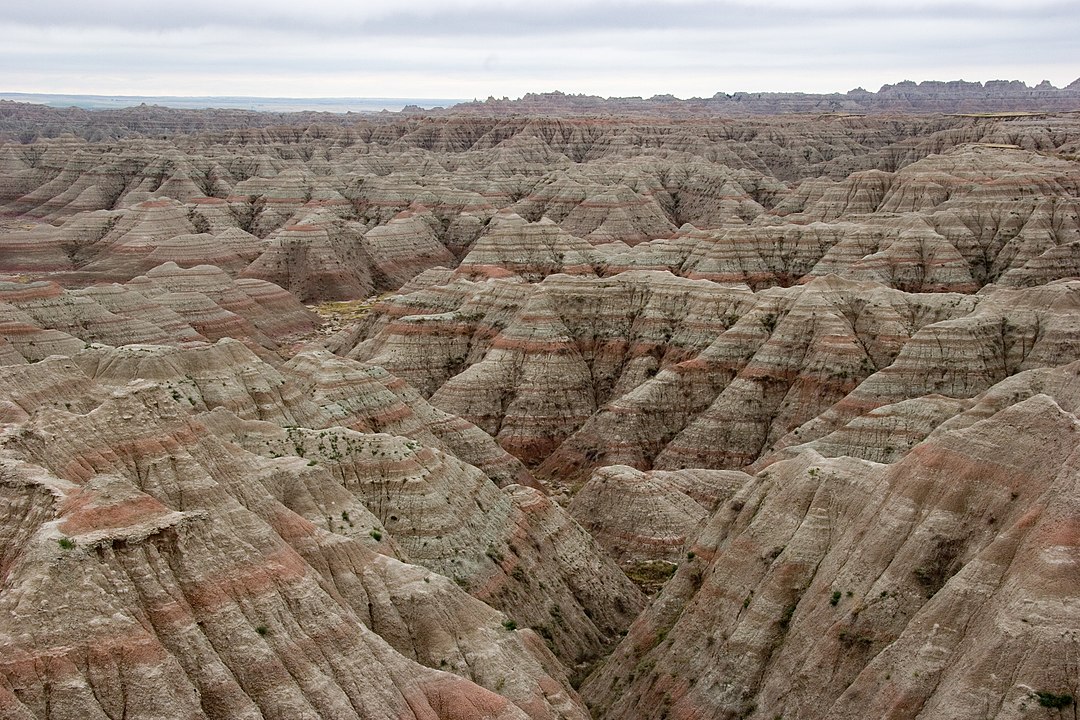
471	48
469	19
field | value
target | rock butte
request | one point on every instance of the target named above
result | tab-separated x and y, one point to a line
557	408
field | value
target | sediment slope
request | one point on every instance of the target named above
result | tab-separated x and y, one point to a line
703	417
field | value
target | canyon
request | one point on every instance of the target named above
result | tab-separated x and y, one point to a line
552	408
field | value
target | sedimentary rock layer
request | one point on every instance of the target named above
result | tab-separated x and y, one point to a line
762	418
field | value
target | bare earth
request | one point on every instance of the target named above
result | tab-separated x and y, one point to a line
563	409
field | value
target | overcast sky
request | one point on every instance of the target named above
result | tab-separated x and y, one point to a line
476	48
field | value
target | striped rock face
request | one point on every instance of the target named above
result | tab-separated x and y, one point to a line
251	574
586	417
919	204
967	545
168	305
281	538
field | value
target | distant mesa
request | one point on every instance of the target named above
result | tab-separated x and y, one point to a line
906	96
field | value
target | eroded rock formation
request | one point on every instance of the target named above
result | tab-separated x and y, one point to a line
763	418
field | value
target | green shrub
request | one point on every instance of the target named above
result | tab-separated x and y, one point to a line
262	630
376	535
650	575
835	597
509	624
66	543
785	618
1054	700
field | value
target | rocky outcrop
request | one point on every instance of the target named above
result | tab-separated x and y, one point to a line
920	204
168	305
367	398
403	248
858	568
529	250
577	345
310	262
232	250
641	517
227	623
121	468
754	418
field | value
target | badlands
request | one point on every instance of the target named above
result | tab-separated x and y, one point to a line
552	409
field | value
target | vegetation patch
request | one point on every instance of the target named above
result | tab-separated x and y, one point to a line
650	575
1054	700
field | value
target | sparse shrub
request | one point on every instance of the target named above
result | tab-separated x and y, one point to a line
262	630
509	624
66	543
650	575
1054	700
942	563
785	618
835	597
851	639
376	535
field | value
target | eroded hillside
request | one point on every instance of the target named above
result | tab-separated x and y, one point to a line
475	416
